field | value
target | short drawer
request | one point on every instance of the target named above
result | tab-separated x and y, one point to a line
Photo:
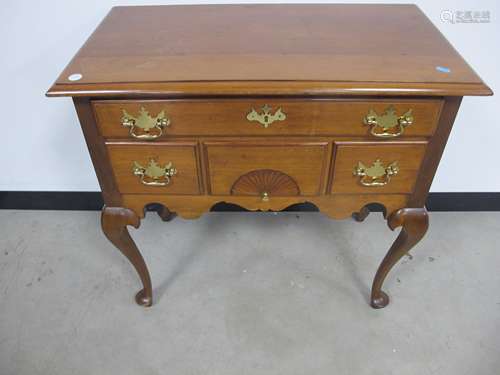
378	119
367	167
266	169
169	168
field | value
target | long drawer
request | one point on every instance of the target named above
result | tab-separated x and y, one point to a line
157	119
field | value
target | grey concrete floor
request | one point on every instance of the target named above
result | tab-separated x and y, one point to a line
241	293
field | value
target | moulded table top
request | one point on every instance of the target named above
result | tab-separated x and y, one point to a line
270	49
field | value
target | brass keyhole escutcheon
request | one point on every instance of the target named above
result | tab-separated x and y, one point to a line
266	118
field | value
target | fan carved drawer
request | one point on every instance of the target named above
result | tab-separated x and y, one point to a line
285	168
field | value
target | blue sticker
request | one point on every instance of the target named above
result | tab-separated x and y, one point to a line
443	69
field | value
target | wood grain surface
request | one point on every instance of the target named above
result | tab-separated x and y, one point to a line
335	43
305	162
226	117
182	155
408	155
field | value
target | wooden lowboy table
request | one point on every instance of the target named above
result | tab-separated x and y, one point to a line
265	106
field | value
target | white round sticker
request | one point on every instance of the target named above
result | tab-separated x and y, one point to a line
75	77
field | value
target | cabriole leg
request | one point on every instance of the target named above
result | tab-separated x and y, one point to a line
414	223
114	221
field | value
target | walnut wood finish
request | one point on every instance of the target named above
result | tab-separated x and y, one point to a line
303	117
114	222
414	223
325	66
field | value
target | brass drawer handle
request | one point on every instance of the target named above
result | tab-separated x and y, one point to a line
264	196
265	118
388	124
150	127
376	174
153	174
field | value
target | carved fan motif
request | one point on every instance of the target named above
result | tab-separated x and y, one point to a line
267	181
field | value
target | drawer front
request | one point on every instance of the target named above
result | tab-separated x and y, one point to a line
366	167
265	169
169	168
379	119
